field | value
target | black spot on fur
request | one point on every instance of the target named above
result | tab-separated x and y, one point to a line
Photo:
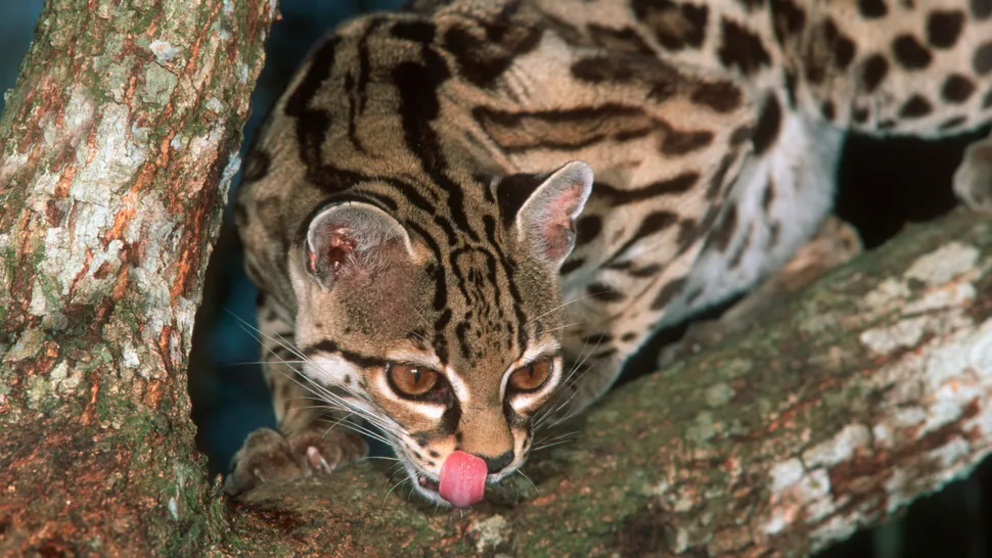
790	88
587	228
688	232
555	128
735	260
828	110
860	115
629	336
604	293
619	40
693	295
916	107
661	78
676	26
721	96
952	123
484	52
718	178
722	235
769	125
677	142
789	19
677	185
910	53
981	9
944	28
741	48
419	31
873	71
597	338
768	196
872	9
646	271
653	223
603	354
667	292
774	232
740	135
571	265
957	89
987	100
983	59
843	47
481	61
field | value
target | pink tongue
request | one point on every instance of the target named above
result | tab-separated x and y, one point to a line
463	479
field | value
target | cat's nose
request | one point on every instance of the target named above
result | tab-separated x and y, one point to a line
498	463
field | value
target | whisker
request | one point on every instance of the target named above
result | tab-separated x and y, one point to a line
546	446
388	492
524	475
320	391
560	306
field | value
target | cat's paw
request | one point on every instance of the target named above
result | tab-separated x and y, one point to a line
973	178
269	457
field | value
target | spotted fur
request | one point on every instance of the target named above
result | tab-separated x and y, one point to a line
411	198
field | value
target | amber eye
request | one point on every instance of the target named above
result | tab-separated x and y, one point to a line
530	377
412	380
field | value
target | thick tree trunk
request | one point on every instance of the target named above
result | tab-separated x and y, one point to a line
117	149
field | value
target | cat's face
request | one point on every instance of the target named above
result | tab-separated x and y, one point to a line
442	347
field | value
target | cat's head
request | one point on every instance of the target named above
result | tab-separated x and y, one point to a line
444	328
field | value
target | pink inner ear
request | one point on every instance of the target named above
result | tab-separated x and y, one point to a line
330	250
557	222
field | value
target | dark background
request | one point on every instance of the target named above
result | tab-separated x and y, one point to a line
883	186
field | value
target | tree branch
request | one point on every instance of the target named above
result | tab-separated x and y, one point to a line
864	392
117	149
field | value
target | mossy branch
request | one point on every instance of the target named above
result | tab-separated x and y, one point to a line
867	390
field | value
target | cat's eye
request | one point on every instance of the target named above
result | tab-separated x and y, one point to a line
531	376
412	380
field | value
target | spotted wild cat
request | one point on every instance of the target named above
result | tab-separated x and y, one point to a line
435	255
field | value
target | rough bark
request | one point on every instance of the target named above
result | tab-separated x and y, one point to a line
117	149
866	391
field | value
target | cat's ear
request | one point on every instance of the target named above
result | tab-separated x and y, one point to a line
352	236
546	220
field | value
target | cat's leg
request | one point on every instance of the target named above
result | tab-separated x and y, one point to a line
835	243
311	439
973	178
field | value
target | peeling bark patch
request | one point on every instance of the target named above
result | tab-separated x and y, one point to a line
884	340
944	265
159	85
489	533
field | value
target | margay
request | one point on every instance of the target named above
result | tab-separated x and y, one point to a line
435	256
